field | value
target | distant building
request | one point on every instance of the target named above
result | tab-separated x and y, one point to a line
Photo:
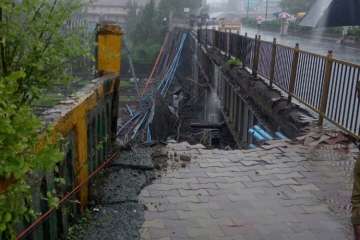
107	10
112	10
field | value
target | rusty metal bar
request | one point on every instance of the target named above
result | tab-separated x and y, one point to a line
326	84
294	67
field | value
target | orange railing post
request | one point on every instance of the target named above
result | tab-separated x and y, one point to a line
326	86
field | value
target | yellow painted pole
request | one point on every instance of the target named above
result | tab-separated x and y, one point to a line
109	40
109	43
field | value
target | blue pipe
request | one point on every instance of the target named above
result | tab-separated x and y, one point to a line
149	137
263	133
280	135
252	146
130	111
128	123
171	73
171	67
257	135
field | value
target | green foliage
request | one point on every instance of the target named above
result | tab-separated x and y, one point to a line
234	62
37	42
36	48
147	28
296	6
20	154
76	231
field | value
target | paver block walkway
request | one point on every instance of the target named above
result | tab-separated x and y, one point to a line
282	191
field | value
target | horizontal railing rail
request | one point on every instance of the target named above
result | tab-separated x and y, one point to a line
326	85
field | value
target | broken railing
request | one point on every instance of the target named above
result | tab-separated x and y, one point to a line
324	84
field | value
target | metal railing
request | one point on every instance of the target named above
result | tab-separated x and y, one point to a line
322	83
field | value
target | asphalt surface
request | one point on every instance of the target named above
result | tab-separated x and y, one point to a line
310	43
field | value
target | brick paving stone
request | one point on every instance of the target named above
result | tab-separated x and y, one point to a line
200	192
278	183
197	186
295	195
289	175
211	164
212	180
255	194
263	184
183	199
235	179
308	187
220	174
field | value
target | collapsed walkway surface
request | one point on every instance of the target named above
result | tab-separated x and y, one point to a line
283	191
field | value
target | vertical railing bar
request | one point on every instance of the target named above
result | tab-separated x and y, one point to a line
256	56
320	86
294	67
315	71
325	93
301	80
316	77
343	94
347	95
352	98
332	90
281	70
307	79
336	95
286	70
312	78
356	101
338	98
279	65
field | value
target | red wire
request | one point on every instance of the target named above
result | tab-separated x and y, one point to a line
46	215
155	65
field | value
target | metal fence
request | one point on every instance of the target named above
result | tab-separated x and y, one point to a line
322	83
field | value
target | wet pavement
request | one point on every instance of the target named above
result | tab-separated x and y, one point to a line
312	44
286	190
